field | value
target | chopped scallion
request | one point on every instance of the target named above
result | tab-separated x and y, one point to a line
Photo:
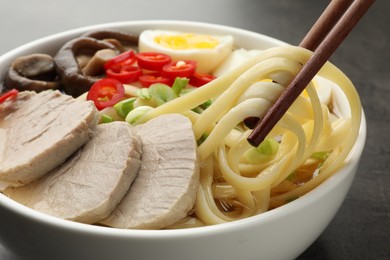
144	93
137	113
202	139
206	104
125	106
179	84
320	155
161	93
264	152
106	119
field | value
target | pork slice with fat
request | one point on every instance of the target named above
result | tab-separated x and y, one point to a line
165	188
39	131
90	184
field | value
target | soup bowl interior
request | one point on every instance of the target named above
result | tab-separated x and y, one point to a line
282	233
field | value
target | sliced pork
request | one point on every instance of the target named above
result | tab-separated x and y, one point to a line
165	188
90	184
39	131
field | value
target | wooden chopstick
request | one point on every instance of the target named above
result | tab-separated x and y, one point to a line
324	24
321	54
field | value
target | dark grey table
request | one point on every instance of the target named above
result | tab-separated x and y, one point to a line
361	228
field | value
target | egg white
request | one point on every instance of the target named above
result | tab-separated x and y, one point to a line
235	59
207	59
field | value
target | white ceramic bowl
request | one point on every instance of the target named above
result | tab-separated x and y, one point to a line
282	233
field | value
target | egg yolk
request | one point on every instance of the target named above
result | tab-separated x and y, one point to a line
187	41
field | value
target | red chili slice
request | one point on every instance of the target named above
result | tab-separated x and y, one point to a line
152	60
124	59
125	74
121	68
200	79
106	93
151	78
183	69
10	94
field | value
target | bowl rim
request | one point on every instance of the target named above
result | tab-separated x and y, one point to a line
263	218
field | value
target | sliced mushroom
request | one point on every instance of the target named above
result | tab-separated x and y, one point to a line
95	66
122	41
74	82
32	72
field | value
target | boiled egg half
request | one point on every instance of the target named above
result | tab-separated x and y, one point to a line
208	50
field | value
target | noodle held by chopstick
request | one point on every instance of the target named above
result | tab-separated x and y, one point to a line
301	134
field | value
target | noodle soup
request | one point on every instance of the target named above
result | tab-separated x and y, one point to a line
238	183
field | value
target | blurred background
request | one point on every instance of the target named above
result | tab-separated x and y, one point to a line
361	228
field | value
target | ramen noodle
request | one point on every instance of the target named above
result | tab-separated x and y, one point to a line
313	138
